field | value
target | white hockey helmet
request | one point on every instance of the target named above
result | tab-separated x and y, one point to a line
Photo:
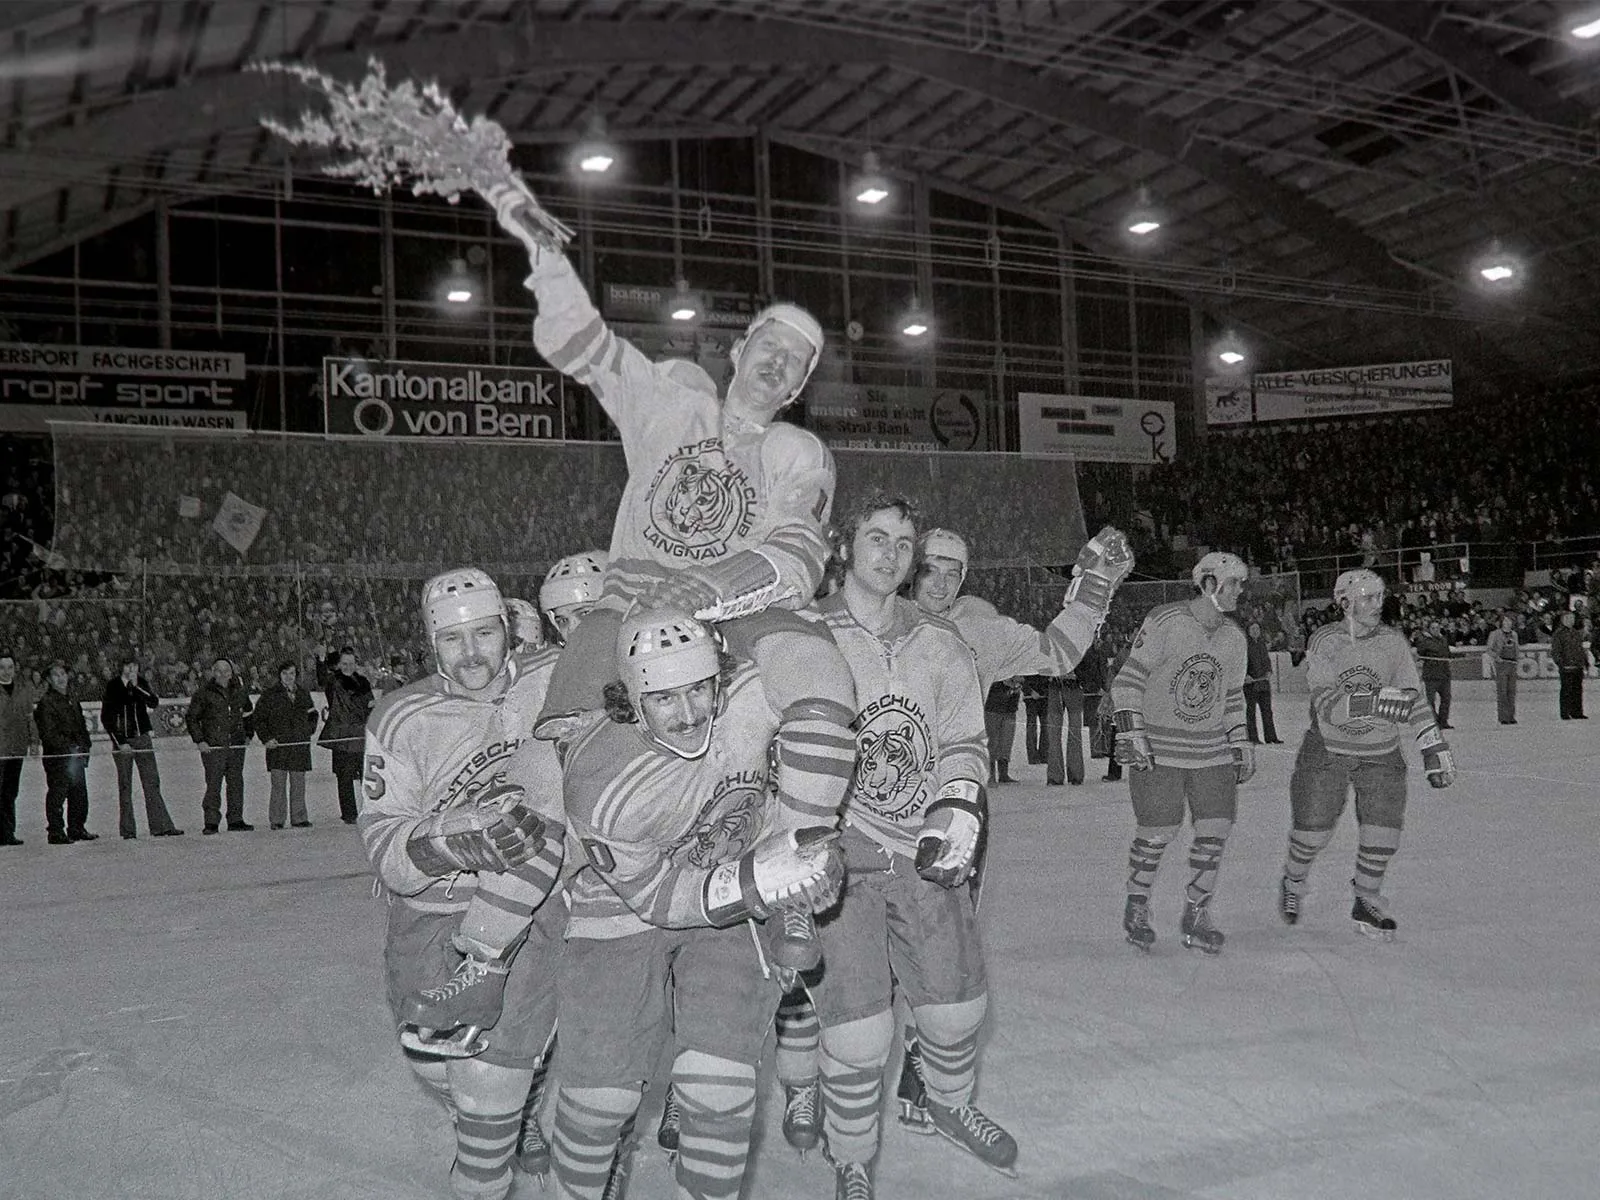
795	318
459	597
662	649
1220	565
525	625
1357	582
575	579
945	543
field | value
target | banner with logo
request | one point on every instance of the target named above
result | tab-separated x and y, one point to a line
394	399
863	417
1375	389
649	305
118	385
1097	429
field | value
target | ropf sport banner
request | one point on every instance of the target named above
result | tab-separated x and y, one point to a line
395	399
120	385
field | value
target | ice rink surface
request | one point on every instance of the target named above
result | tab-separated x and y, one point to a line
203	1017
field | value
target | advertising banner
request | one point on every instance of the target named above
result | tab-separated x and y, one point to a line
646	304
1229	400
119	385
394	399
1533	662
1096	429
862	417
1353	391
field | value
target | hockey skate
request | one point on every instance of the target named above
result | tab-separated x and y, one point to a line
449	1020
667	1131
1136	921
911	1093
795	944
1370	919
1288	902
621	1169
852	1181
1197	931
970	1128
802	1115
533	1151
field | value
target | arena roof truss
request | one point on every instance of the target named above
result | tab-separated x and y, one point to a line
1329	167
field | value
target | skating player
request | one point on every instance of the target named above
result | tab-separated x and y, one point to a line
1003	648
1178	704
465	832
1364	688
722	514
912	825
688	843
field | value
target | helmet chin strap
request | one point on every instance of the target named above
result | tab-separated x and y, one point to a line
705	740
505	662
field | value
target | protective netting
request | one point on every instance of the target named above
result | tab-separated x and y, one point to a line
127	497
349	529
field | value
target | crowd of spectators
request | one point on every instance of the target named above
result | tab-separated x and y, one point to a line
1495	470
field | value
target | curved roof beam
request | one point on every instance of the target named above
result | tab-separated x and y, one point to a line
213	105
1513	87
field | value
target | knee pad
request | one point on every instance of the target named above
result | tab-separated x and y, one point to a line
861	1043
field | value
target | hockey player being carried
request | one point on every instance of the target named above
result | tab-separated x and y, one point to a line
462	823
1002	647
1364	688
722	514
1178	704
687	842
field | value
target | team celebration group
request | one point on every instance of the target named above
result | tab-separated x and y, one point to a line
744	785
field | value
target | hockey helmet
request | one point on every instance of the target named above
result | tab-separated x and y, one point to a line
1220	565
1358	582
459	597
525	625
575	579
946	543
795	318
662	649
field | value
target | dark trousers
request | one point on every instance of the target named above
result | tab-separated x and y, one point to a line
1064	708
1438	691
10	781
1571	693
347	766
1001	730
1033	732
139	752
224	766
66	793
1258	698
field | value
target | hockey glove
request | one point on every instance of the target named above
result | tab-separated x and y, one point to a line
1102	563
741	584
495	835
1387	704
1437	761
799	871
948	840
1244	754
1132	746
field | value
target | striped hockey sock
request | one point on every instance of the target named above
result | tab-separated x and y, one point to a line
717	1099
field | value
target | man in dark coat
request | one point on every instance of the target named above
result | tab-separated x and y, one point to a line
1571	659
64	741
344	732
1433	655
16	732
286	717
219	723
125	716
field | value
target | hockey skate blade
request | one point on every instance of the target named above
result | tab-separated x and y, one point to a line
1009	1172
1204	947
916	1120
1376	935
464	1042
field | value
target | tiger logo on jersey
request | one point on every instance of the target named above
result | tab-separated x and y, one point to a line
1359	678
895	757
729	825
699	502
1195	688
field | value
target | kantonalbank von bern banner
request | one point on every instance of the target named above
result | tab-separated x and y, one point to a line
1372	390
402	399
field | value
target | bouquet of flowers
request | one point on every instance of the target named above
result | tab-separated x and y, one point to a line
397	134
